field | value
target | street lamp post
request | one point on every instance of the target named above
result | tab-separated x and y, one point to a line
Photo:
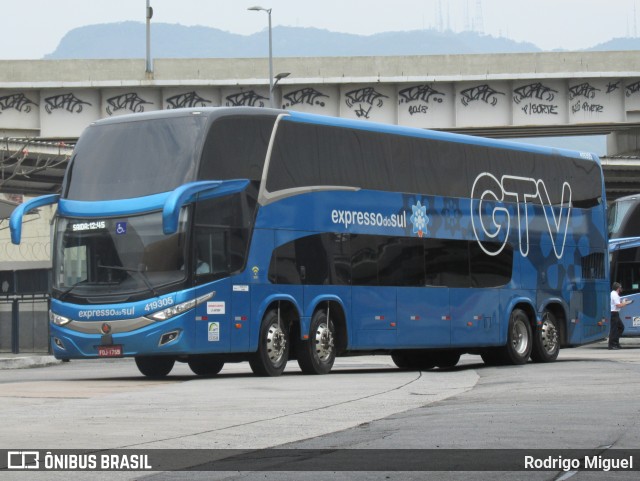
268	10
149	15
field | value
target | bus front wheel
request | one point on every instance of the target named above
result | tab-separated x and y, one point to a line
546	340
155	366
273	346
206	366
317	354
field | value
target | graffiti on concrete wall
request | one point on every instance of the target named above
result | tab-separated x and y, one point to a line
480	93
129	101
187	100
422	95
634	88
247	99
306	95
19	102
613	86
364	99
582	96
68	102
537	97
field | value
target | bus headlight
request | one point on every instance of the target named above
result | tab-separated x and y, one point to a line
57	319
173	311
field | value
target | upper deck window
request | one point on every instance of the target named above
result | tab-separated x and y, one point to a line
135	158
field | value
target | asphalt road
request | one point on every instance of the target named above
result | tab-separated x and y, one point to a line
588	399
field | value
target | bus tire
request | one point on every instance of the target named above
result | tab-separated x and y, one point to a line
491	357
447	359
519	339
546	340
206	366
273	346
155	366
317	354
413	360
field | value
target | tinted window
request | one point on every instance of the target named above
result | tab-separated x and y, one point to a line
447	263
364	259
222	230
317	259
490	271
135	158
369	260
401	262
309	155
236	148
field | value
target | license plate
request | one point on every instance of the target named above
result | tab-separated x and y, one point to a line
110	351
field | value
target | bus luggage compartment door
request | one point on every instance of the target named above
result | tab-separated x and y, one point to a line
423	317
474	316
374	315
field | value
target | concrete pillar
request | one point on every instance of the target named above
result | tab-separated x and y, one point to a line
623	141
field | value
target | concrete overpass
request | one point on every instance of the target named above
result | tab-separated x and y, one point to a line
506	95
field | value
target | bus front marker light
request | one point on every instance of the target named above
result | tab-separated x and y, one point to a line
59	343
169	337
57	319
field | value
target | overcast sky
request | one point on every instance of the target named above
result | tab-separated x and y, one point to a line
33	28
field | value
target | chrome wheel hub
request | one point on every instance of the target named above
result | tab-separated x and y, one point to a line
323	342
520	337
549	336
276	343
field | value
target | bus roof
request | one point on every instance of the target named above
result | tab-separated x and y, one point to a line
215	112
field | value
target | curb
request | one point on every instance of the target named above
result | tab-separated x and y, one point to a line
25	362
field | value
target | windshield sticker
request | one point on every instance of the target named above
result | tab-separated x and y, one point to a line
214	332
121	228
100	224
216	307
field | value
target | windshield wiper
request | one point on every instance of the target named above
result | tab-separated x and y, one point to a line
140	271
64	293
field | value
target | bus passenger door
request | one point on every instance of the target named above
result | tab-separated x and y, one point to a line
423	317
240	329
212	321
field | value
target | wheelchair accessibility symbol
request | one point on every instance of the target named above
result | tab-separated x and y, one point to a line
121	228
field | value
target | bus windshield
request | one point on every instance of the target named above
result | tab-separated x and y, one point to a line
125	256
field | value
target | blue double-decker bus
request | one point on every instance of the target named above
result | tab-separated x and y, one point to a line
624	247
222	235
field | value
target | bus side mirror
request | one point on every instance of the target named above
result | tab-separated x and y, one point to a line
15	221
186	193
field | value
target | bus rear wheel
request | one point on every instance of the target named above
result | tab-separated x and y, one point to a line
546	340
519	339
317	354
155	366
206	366
273	346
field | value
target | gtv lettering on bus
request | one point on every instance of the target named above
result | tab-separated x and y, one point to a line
375	219
521	190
